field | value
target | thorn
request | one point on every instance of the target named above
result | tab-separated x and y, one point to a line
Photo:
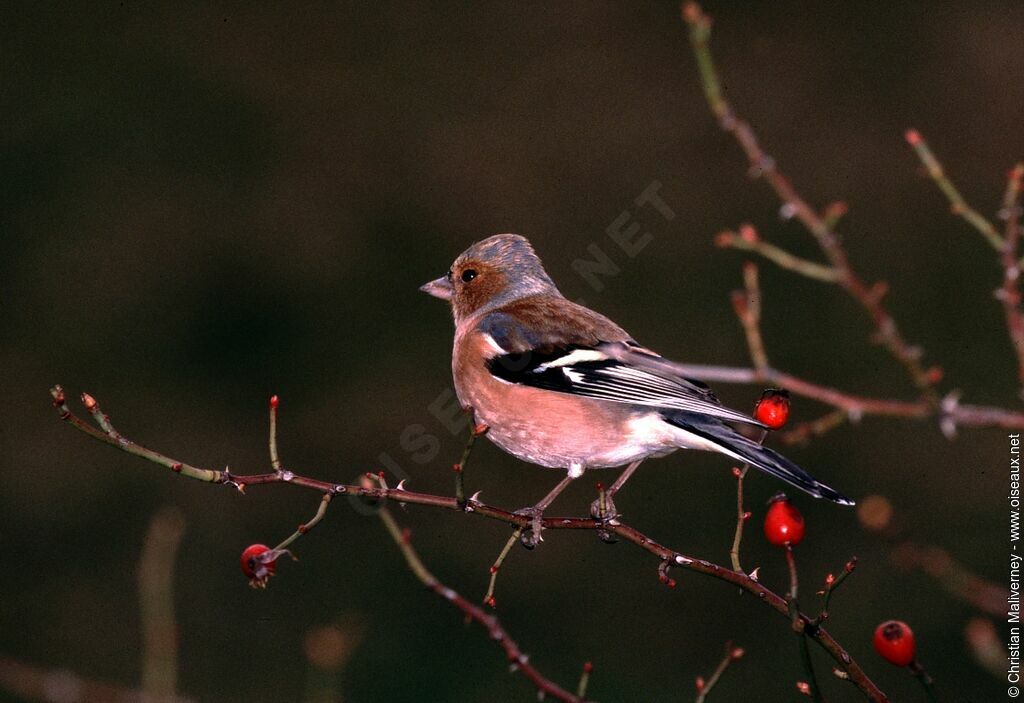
754	574
475	498
401	485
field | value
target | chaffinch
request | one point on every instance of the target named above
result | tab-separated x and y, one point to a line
560	385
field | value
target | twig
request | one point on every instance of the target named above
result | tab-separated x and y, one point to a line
821	636
747	305
777	255
475	431
31	682
761	165
496	566
275	461
581	688
732	654
156	604
803	431
772	600
956	578
1007	244
985	644
302	529
958	205
800	627
949	410
831	584
741	517
1009	293
927	682
518	660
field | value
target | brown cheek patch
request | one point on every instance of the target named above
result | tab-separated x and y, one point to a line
488	283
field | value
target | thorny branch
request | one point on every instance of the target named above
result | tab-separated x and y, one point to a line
518	660
947	410
793	205
668	557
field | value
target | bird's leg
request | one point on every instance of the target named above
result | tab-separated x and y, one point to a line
604	508
531	537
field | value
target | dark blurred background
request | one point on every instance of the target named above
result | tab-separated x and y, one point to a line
206	205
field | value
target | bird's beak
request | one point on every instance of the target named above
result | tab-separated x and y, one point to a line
439	288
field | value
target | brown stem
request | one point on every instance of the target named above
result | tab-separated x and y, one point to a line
927	682
496	566
842	658
1009	294
518	660
732	654
950	410
801	626
741	518
762	165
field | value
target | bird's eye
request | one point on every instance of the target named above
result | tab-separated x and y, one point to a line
468	275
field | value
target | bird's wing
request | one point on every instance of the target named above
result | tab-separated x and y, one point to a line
574	358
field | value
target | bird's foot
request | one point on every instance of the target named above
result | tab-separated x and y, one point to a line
603	509
531	535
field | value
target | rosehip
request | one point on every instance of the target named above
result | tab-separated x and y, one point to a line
259	563
783	524
773	408
894	641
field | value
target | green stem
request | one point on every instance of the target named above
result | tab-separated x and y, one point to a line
799	627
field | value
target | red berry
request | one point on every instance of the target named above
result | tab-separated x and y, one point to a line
894	640
259	563
772	409
783	524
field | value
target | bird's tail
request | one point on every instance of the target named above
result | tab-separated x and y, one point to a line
714	435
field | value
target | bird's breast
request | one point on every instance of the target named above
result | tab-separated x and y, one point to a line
546	427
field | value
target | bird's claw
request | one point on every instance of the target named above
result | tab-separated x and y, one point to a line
532	531
603	509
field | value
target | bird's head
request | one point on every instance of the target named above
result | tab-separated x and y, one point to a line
490	274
